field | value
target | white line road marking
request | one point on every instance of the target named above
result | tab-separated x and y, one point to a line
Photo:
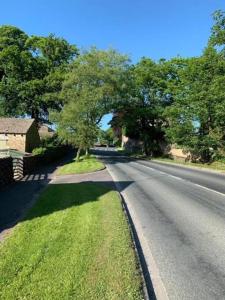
182	179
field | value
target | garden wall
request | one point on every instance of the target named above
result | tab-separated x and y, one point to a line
27	164
15	168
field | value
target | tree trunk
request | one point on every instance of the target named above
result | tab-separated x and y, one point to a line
87	153
146	150
78	154
35	114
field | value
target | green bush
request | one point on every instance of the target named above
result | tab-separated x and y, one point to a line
39	151
53	141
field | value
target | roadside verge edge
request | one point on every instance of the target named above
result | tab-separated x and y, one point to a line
153	285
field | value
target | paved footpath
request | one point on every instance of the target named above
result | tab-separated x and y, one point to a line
98	177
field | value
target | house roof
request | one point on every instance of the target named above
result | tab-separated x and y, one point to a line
15	125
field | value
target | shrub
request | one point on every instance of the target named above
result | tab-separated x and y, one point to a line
39	151
53	141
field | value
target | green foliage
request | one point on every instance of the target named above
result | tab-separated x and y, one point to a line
142	117
218	29
53	141
179	101
106	137
91	87
197	116
48	143
39	151
31	72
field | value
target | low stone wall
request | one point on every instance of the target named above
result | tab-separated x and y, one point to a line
6	171
32	162
179	154
15	168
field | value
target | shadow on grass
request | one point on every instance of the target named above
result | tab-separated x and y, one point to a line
16	200
19	196
58	197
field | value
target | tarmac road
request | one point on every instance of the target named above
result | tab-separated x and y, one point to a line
181	216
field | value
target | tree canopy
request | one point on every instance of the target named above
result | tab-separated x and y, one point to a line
178	101
32	70
91	87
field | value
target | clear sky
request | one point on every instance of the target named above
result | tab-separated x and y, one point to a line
153	28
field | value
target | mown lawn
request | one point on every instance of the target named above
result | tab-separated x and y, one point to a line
217	165
74	244
85	165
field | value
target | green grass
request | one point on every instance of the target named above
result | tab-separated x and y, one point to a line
217	165
74	244
85	165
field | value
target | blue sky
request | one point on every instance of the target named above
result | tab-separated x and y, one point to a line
159	28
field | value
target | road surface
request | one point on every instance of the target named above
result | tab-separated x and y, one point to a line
181	212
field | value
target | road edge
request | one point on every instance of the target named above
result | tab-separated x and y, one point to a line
154	286
220	172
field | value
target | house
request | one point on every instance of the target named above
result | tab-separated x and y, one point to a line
45	131
19	134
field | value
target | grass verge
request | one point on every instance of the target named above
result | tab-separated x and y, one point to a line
73	244
217	165
85	165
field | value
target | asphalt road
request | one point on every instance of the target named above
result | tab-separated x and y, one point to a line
181	212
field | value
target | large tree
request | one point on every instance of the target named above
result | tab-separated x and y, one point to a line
197	116
32	70
141	116
91	89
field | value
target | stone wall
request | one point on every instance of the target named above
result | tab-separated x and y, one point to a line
131	145
45	132
16	141
27	164
6	171
21	142
15	168
32	138
173	151
178	153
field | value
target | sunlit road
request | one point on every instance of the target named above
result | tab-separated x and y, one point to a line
182	217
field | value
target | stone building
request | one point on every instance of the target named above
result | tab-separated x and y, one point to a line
19	134
45	131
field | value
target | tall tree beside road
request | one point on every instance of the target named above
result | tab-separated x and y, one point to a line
31	72
197	116
142	115
218	30
180	100
92	87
